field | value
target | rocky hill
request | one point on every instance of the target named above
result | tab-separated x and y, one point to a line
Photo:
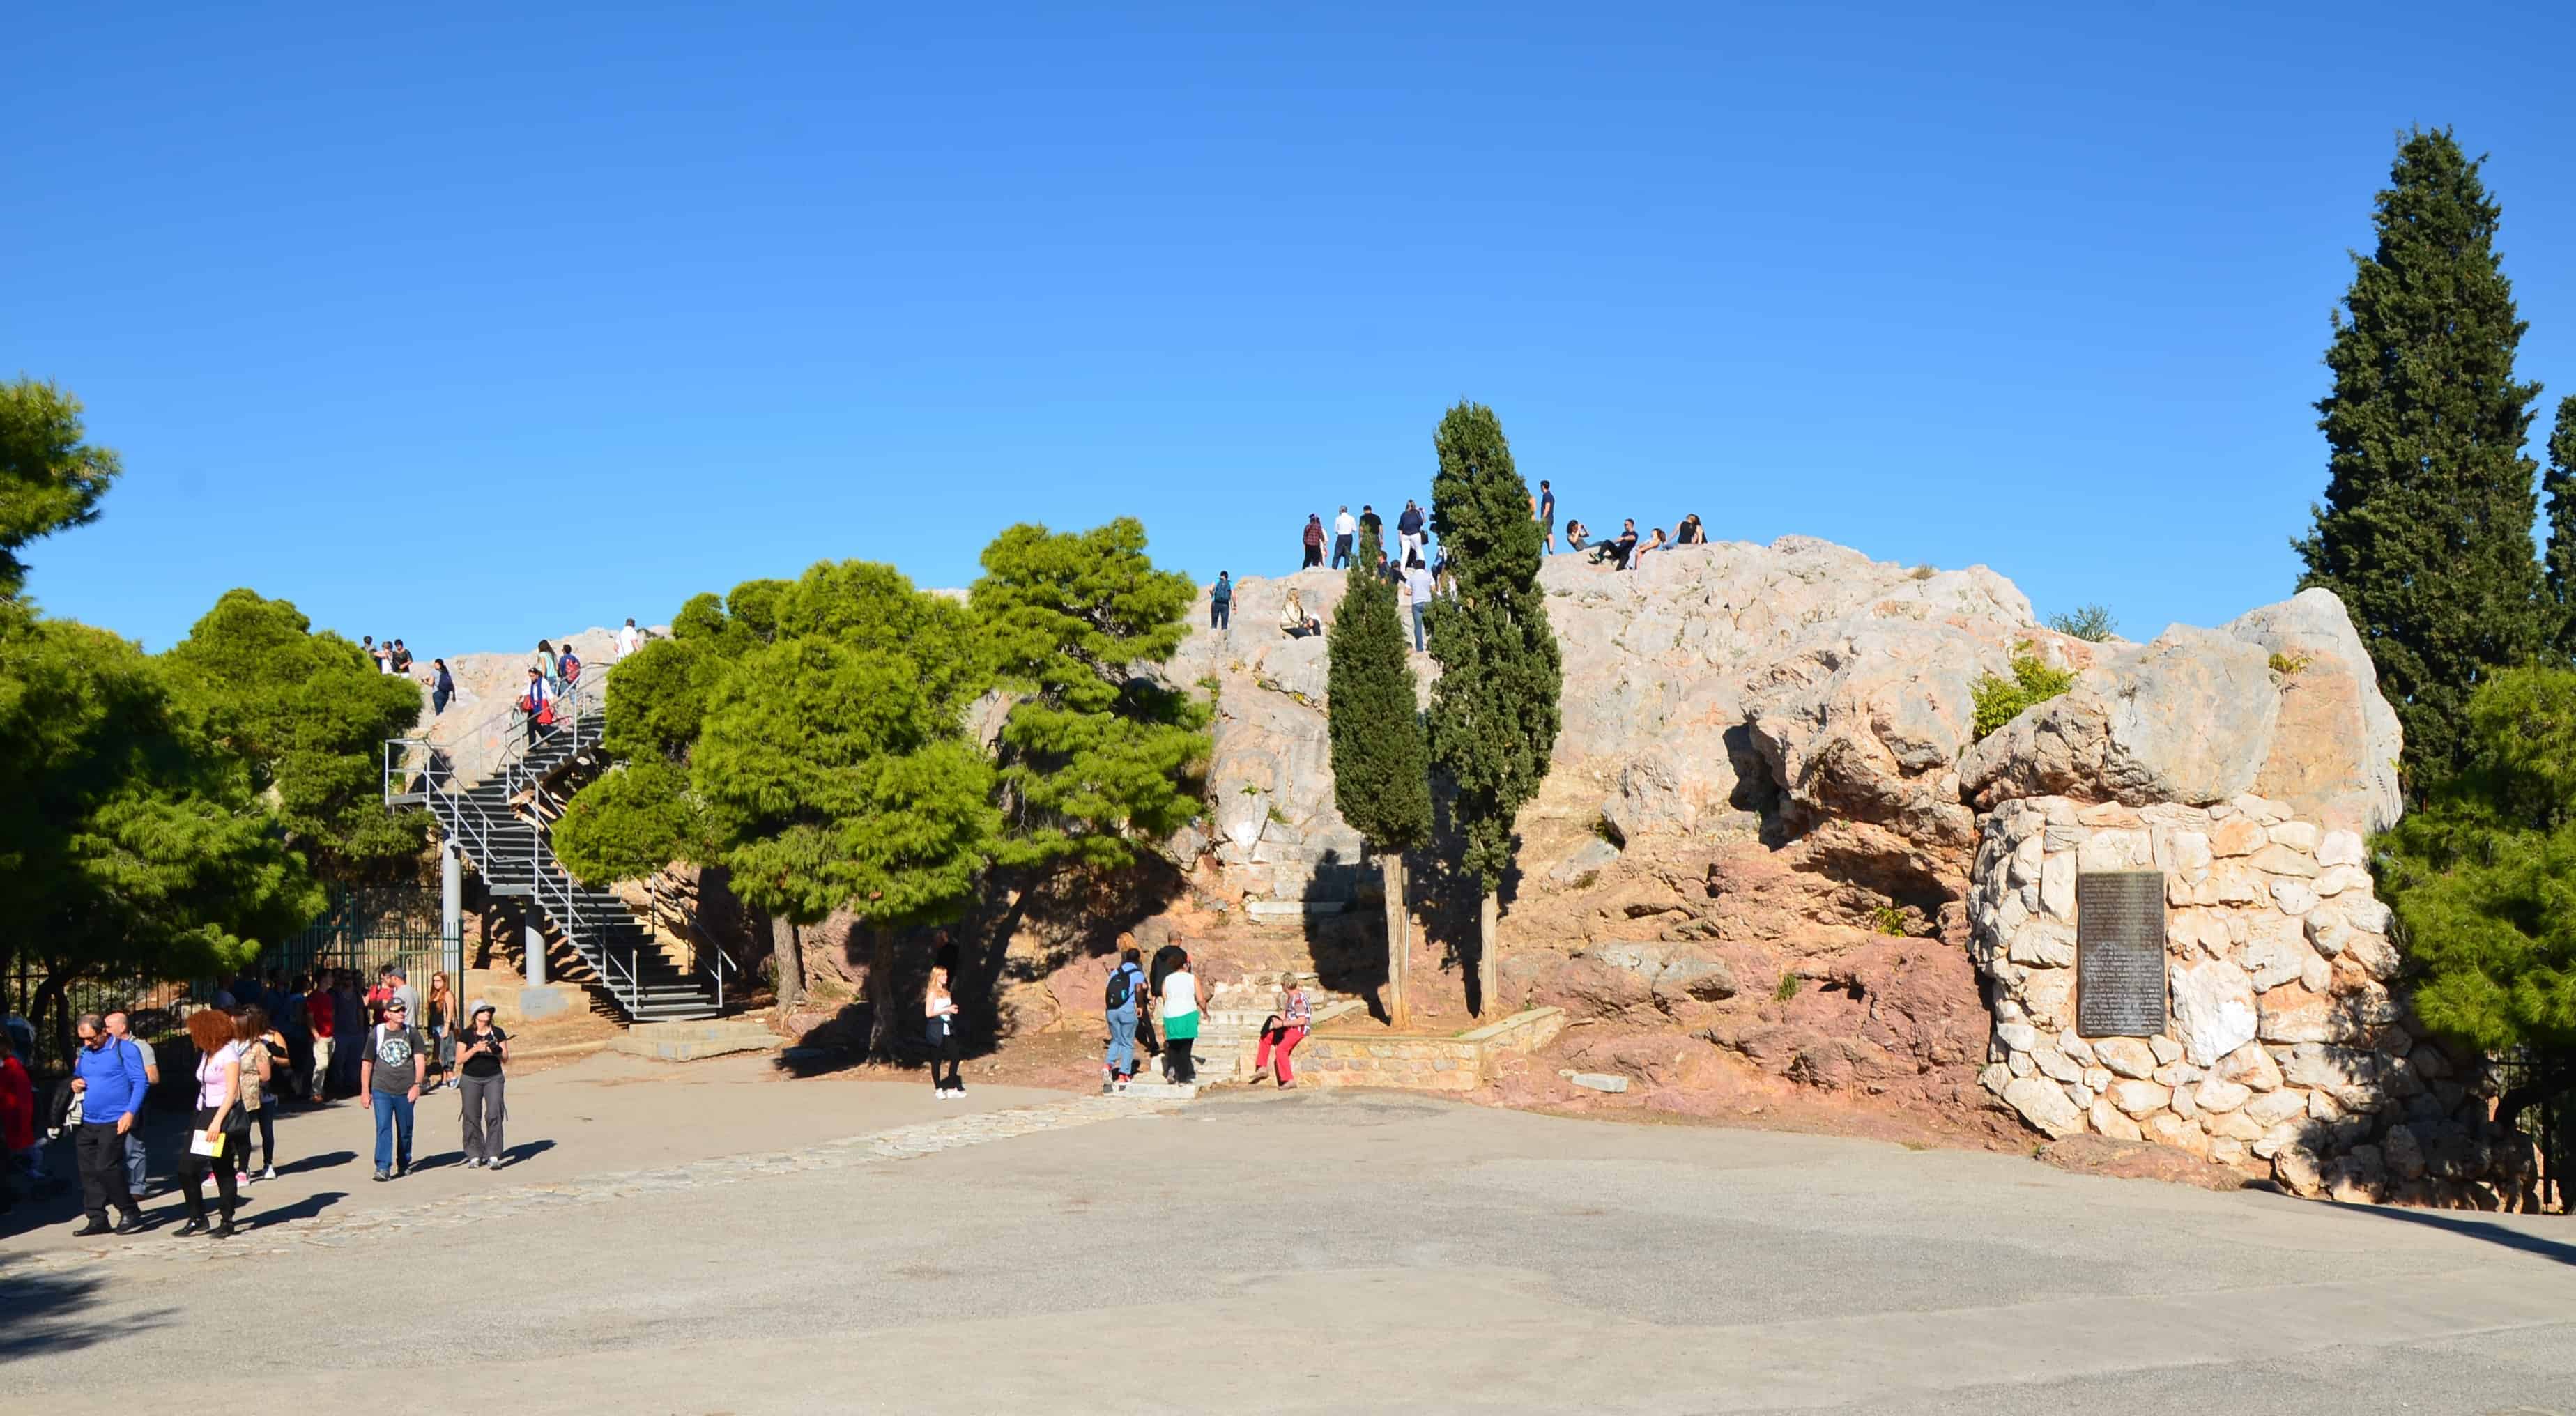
1773	851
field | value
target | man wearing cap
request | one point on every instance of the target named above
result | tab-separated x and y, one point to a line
389	1077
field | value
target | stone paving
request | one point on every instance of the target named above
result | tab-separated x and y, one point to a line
331	1231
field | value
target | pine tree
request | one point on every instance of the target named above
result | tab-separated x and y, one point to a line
1381	759
2559	562
2426	527
1494	711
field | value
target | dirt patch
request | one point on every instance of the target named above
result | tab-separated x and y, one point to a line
2139	1160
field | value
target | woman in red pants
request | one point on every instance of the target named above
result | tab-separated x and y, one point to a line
1285	1029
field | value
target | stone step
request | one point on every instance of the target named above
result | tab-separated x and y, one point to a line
697	1039
1144	1090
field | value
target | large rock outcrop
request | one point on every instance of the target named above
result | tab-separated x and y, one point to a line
1802	687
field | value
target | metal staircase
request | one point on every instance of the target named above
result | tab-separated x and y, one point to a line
499	823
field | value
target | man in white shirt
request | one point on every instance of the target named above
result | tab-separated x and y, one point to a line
628	639
1344	528
1418	588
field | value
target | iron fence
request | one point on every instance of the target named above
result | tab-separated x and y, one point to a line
2550	1121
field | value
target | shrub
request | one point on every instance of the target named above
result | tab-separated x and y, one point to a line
2288	664
1787	990
1924	572
1888	919
1999	700
2092	623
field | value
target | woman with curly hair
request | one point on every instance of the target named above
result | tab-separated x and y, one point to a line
221	1129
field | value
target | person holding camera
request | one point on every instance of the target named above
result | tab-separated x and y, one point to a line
481	1051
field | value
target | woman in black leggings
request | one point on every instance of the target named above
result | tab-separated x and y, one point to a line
939	1029
261	1048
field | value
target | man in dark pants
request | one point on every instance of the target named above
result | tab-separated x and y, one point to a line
108	1074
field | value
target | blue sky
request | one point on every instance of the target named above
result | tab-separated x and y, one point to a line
470	325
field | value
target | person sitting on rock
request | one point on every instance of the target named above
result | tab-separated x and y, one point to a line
1617	549
1576	535
1295	622
1637	557
1689	532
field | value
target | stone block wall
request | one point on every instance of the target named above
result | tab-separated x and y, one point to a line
2287	1052
1358	1060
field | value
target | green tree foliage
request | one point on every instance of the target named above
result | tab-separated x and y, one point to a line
135	842
2483	875
631	822
50	480
134	839
1096	754
1494	714
310	714
1381	758
2558	560
834	768
2094	624
2425	531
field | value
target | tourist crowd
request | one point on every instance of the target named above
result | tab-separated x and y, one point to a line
258	1047
1422	570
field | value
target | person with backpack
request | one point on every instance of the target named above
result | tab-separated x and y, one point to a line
1180	995
537	705
1118	1004
1221	601
389	1077
567	667
263	1061
1314	539
442	687
939	1029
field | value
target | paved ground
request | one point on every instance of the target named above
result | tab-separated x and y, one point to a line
716	1240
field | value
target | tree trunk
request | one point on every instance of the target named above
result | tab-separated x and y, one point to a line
1488	940
881	1001
1399	947
787	960
997	953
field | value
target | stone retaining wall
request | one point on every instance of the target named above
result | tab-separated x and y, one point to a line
1460	1063
2286	1054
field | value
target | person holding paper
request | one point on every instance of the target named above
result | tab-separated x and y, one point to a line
217	1142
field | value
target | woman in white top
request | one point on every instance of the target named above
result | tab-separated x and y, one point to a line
1180	1012
218	1101
939	1029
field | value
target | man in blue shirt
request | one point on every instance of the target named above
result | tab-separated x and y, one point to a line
108	1074
1125	993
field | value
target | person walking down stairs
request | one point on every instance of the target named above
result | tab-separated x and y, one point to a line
538	703
939	1029
1180	1010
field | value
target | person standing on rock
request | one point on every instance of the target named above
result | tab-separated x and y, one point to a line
1221	601
1180	1009
1290	1017
221	1129
442	687
389	1077
1418	587
1543	508
939	1029
481	1052
1343	529
1120	1002
1314	537
1408	527
629	639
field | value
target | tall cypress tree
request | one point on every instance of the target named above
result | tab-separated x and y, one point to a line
1381	759
2426	527
2559	562
1494	711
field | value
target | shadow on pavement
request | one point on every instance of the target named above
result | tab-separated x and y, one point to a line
45	1314
324	1161
305	1208
2487	1230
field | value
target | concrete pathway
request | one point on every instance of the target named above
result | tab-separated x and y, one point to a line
1319	1251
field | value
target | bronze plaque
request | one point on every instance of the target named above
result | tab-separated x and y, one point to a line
2120	953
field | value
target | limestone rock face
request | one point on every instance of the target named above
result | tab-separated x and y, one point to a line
2336	747
2189	718
476	726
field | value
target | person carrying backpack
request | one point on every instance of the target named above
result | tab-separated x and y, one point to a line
1119	1005
568	667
